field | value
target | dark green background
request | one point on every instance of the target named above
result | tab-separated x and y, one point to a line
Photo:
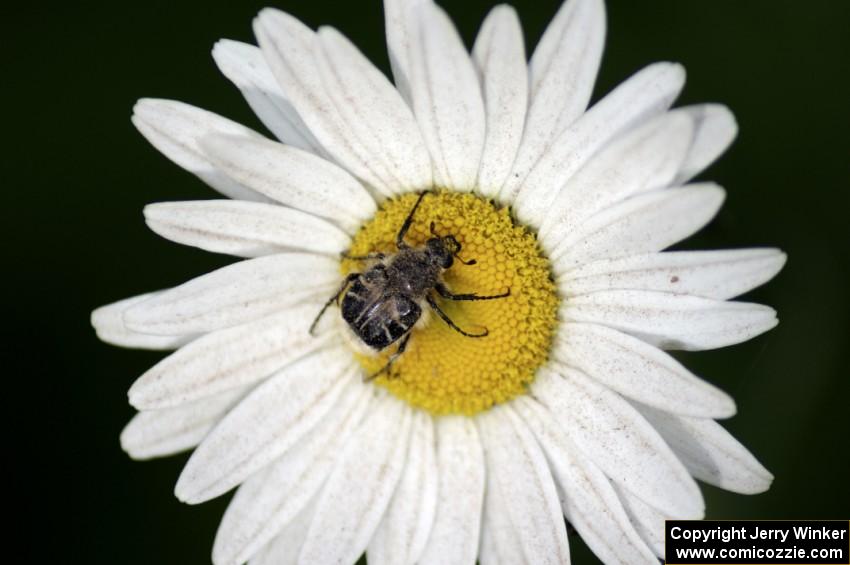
76	175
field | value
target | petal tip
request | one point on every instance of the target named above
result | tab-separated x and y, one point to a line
675	71
758	481
766	481
224	52
717	193
153	211
130	442
726	407
677	68
185	490
268	13
136	396
725	116
780	259
97	318
504	10
147	108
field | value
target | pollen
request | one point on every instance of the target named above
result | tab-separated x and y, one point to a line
442	371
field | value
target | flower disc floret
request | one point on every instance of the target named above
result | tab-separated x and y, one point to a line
442	371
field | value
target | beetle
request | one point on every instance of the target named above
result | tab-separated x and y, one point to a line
382	304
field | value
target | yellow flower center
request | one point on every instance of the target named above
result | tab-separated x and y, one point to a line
441	370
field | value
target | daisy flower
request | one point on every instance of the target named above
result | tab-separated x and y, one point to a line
470	447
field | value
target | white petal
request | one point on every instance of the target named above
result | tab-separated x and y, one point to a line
672	321
294	178
716	128
499	57
229	358
265	425
646	158
360	487
376	117
454	537
446	98
271	499
235	294
488	553
618	439
285	547
156	433
639	371
710	453
404	529
645	223
398	30
108	322
175	128
647	520
521	475
500	543
245	229
587	498
710	274
533	186
562	72
246	67
564	65
341	96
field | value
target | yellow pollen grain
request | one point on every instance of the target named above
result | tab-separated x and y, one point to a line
442	371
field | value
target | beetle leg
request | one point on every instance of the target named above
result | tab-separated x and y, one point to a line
449	295
401	347
368	257
446	319
399	239
348	280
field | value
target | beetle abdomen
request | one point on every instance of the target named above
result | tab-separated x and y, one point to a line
378	319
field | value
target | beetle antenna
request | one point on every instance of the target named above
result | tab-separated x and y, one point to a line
470	262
